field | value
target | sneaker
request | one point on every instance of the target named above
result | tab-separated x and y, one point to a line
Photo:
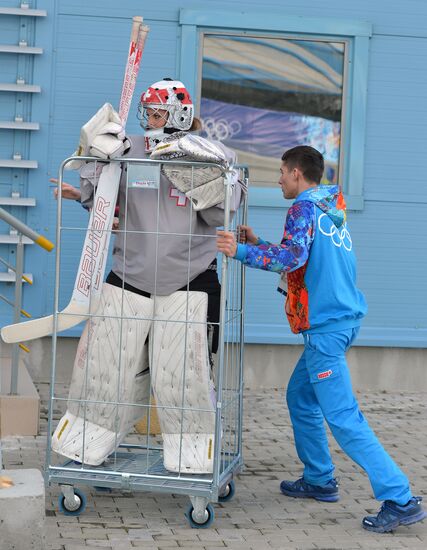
392	515
302	489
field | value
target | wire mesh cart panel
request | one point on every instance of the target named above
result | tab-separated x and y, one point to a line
155	401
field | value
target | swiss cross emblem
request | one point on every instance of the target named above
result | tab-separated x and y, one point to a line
181	199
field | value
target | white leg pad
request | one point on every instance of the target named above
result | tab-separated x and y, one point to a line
109	358
181	382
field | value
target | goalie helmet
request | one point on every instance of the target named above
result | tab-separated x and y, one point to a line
166	95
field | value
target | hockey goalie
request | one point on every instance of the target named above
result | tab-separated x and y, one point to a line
155	327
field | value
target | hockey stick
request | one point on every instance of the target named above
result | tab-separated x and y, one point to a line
90	274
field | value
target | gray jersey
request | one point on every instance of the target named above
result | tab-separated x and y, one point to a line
166	243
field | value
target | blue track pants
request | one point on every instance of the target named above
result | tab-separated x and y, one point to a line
320	389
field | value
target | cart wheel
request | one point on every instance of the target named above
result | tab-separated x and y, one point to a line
209	517
228	493
77	508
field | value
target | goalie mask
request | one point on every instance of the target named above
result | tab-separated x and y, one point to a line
172	101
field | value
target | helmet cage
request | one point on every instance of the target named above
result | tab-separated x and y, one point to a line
144	117
172	96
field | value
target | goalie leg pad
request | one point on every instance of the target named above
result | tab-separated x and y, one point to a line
185	178
108	369
207	195
181	381
204	186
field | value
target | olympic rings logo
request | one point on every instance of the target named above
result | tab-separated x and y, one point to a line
338	237
220	130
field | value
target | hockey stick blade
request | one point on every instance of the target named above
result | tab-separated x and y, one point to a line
72	315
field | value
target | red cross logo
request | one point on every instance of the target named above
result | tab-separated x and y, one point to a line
325	374
181	199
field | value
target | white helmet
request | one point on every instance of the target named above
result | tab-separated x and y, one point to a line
167	95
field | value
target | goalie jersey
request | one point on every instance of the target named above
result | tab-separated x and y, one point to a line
162	243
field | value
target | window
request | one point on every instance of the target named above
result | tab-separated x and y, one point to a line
264	83
263	95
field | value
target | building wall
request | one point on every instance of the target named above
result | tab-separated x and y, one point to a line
265	365
85	48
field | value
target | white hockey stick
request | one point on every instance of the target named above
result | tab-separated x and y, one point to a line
90	275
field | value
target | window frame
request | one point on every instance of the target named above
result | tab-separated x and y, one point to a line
195	23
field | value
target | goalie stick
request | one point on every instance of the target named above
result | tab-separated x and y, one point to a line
90	274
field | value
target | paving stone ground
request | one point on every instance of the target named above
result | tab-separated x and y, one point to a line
258	517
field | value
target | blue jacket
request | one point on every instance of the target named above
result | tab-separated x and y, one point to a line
317	261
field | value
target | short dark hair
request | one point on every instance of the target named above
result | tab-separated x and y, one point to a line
307	159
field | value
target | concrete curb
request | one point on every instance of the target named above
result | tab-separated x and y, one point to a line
22	511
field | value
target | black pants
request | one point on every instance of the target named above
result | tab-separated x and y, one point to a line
205	282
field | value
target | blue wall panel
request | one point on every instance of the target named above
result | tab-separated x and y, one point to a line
85	47
397	115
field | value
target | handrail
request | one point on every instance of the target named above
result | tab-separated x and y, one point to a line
26	230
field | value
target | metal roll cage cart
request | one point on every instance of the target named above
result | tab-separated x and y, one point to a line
137	463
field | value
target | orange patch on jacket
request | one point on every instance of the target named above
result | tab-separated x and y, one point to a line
296	306
341	202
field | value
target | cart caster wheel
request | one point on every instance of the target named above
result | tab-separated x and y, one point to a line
77	508
229	491
209	517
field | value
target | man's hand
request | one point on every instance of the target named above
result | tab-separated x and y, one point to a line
68	191
226	243
246	235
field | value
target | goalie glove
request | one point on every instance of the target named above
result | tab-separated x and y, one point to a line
203	185
108	144
102	136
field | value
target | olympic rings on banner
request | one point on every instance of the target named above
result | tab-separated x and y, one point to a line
338	237
221	129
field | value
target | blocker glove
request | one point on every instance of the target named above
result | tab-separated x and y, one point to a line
102	136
